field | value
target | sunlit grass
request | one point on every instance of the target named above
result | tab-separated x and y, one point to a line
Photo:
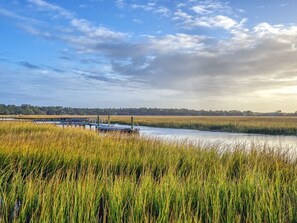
49	174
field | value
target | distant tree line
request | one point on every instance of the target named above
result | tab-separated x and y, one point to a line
26	109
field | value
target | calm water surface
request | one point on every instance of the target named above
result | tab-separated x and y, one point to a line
224	138
218	138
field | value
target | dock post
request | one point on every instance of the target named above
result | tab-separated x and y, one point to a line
132	123
98	123
108	120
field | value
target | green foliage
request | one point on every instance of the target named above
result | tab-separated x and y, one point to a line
48	174
59	110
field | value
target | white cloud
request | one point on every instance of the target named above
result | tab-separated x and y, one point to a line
52	7
180	5
265	29
179	15
120	3
138	21
222	21
162	11
146	7
82	34
216	21
207	7
83	6
250	65
284	4
154	8
93	31
37	32
179	43
208	13
13	15
200	9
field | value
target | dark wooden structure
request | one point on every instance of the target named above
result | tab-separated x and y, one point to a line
89	123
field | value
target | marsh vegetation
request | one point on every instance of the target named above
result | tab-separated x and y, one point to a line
49	174
270	125
258	125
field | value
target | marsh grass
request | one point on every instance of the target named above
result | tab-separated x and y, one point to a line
272	125
258	125
49	174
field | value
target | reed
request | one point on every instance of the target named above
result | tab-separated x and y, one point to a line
49	174
259	125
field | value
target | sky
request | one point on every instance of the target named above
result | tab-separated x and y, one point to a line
218	55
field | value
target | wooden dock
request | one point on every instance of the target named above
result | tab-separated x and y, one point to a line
117	129
88	123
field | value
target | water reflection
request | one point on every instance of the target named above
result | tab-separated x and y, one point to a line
222	138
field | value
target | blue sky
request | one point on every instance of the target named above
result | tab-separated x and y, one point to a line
130	53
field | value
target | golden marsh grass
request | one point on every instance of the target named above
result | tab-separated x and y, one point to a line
49	174
260	125
276	125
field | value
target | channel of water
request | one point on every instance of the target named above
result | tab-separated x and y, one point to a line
222	138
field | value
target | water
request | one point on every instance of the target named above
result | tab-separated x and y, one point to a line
222	138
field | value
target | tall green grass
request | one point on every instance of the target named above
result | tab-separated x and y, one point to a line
48	174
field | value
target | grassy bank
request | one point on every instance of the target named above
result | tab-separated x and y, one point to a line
277	125
259	125
48	174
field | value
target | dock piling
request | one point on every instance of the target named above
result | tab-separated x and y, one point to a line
132	123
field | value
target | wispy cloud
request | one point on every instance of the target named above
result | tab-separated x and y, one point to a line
52	7
93	31
120	3
208	7
179	43
209	14
10	14
83	35
189	22
284	4
154	8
